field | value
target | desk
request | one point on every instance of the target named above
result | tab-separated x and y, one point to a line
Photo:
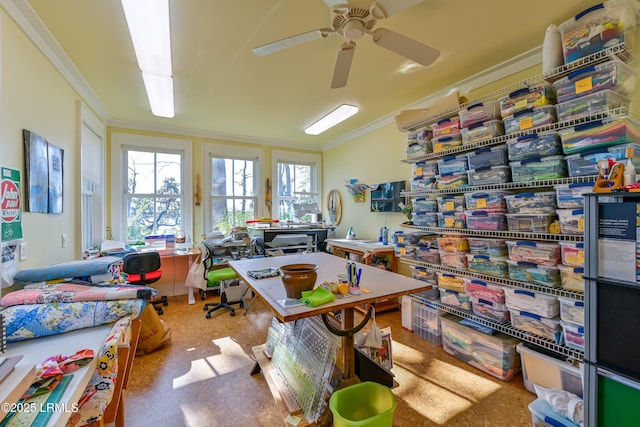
175	268
382	285
38	349
269	236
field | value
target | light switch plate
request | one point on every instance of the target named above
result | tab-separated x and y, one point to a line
23	251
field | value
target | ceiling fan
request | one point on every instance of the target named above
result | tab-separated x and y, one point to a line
352	21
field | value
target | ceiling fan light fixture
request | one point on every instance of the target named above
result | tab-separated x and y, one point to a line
338	115
148	22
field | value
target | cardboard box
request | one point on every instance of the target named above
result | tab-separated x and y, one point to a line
408	119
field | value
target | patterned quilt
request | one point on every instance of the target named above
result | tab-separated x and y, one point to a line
40	320
70	292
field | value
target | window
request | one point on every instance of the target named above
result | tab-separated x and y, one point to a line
232	186
151	194
296	179
154	194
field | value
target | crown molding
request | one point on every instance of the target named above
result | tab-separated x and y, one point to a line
26	18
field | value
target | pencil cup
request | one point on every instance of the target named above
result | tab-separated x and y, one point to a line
354	290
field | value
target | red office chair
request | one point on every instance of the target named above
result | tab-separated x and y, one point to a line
143	268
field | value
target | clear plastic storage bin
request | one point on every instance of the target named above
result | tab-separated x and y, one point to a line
490	265
614	75
573	335
543	415
450	202
541	202
480	289
570	196
426	322
453	244
487	246
453	260
418	149
571	221
486	220
424	274
489	176
572	253
425	219
529	119
525	98
532	301
427	254
536	252
586	163
452	180
451	219
597	28
452	282
482	131
549	372
539	168
423	183
571	310
530	223
479	113
455	298
534	145
446	127
425	204
425	168
490	199
446	142
490	310
419	135
538	325
452	164
595	103
494	354
488	156
599	134
572	278
523	271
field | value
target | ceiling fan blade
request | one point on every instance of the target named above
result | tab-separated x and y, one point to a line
334	3
405	46
385	8
268	48
343	65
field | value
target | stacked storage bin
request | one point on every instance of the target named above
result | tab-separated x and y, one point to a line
534	312
494	353
453	254
446	134
451	211
426	321
419	143
487	299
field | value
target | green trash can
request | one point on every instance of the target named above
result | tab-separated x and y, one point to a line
364	404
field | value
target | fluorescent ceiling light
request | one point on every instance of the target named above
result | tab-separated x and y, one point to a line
148	22
338	115
160	94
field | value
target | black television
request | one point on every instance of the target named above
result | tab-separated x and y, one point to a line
386	197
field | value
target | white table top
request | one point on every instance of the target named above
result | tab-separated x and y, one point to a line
367	246
38	349
381	284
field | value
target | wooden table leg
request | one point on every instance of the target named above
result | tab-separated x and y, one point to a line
348	363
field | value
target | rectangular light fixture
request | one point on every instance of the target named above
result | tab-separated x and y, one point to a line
340	114
148	22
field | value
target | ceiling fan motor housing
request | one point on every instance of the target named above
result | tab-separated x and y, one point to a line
352	21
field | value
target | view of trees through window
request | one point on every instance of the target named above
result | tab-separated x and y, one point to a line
295	191
233	193
154	193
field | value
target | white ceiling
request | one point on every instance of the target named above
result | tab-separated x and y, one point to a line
223	89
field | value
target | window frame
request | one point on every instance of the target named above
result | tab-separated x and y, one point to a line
212	150
121	142
294	157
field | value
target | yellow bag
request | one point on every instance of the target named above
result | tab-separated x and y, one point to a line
154	332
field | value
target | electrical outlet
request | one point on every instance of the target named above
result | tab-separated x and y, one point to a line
64	240
23	251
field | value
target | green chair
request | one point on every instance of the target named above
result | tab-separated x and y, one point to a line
232	289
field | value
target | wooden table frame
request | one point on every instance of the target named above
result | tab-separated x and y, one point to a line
376	284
